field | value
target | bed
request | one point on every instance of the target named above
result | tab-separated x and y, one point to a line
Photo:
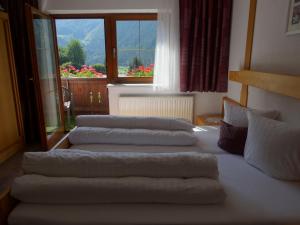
252	196
207	143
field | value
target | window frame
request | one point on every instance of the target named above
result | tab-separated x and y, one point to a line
110	20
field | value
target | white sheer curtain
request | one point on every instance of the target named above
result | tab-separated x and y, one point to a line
166	70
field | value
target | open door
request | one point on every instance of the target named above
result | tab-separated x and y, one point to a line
45	76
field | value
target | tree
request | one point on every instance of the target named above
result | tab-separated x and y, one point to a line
63	56
136	62
75	53
100	68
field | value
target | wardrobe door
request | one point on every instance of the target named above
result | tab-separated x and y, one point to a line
11	131
45	76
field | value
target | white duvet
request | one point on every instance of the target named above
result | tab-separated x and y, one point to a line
100	135
133	122
71	190
81	163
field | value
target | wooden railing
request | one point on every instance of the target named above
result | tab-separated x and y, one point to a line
89	95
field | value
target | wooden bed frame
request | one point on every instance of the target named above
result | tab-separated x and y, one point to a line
282	84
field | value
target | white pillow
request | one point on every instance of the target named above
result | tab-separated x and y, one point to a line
101	135
273	147
237	115
133	122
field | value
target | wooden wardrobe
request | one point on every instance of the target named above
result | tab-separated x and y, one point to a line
11	124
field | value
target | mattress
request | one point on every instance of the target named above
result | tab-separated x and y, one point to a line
207	143
252	198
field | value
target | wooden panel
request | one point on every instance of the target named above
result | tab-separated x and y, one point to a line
11	132
64	143
85	93
278	83
244	95
250	34
248	50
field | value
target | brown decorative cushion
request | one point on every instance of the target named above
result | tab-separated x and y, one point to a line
232	139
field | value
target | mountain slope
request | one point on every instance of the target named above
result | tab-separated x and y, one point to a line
90	32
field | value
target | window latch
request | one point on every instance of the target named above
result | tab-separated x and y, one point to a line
114	52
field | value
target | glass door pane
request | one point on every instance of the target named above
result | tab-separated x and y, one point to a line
45	68
47	72
82	63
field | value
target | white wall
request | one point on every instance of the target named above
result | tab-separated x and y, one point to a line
273	51
98	6
237	43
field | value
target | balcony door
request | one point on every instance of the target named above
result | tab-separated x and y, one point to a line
45	76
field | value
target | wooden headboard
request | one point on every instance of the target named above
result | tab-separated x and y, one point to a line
278	83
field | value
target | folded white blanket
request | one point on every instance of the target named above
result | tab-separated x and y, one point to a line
99	135
80	163
70	190
154	123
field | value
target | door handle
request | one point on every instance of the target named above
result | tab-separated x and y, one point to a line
99	97
91	97
114	53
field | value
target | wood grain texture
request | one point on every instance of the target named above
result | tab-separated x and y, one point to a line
11	132
89	95
64	143
209	120
278	83
250	34
40	83
244	95
248	50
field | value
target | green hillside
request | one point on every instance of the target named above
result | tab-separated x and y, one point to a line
90	32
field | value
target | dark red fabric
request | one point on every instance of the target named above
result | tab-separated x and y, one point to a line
204	44
232	139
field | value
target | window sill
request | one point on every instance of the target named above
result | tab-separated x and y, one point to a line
129	85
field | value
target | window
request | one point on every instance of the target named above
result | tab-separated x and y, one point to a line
81	45
119	47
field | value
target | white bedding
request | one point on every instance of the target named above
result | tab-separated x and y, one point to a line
207	139
100	135
86	164
73	190
252	198
133	122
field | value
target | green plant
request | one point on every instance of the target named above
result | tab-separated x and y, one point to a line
63	56
100	68
67	70
75	53
136	62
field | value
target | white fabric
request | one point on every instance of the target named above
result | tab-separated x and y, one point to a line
252	198
167	61
273	147
132	122
78	163
207	137
71	190
99	135
237	115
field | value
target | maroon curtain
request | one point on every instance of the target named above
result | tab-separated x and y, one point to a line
204	44
17	19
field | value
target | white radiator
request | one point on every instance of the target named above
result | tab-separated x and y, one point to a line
174	106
